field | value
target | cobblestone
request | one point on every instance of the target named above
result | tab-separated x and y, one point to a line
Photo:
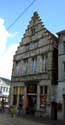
6	119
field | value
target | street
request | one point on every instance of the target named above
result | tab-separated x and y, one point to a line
6	119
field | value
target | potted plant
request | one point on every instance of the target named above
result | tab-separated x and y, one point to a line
13	111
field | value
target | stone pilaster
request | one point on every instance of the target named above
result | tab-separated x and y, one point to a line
18	97
38	97
24	100
11	96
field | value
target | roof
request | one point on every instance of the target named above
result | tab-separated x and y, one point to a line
61	32
8	81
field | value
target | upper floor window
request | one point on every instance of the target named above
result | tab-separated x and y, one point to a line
64	45
6	89
27	47
44	63
25	68
33	31
17	67
34	63
34	45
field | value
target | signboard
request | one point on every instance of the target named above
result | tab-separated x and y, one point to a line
31	88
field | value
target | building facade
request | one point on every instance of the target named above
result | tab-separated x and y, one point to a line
61	73
35	67
4	89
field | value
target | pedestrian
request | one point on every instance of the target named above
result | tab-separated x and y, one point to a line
2	104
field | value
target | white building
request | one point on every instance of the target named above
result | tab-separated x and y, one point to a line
4	88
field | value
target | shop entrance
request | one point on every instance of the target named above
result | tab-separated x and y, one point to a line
32	98
31	104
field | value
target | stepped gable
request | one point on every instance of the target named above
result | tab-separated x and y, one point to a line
33	30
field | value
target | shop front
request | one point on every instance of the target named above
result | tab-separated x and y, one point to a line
30	98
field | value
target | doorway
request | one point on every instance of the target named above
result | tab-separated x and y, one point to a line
31	104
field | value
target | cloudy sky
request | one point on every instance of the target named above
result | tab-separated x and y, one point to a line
51	13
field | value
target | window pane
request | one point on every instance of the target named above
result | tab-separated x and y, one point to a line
34	61
45	90
41	89
25	66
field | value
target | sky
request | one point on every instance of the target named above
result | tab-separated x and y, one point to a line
51	12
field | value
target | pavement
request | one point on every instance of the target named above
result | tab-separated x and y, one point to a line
43	120
6	119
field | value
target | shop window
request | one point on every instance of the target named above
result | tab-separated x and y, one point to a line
59	107
41	89
43	102
45	90
14	99
43	97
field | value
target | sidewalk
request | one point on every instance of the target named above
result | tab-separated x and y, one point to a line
28	119
45	120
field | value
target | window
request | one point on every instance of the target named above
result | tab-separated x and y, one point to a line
1	87
44	63
27	47
43	97
35	44
41	89
45	90
17	67
33	31
25	66
6	89
17	70
64	45
34	62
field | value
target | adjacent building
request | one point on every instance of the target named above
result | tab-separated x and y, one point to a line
61	73
4	89
35	68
